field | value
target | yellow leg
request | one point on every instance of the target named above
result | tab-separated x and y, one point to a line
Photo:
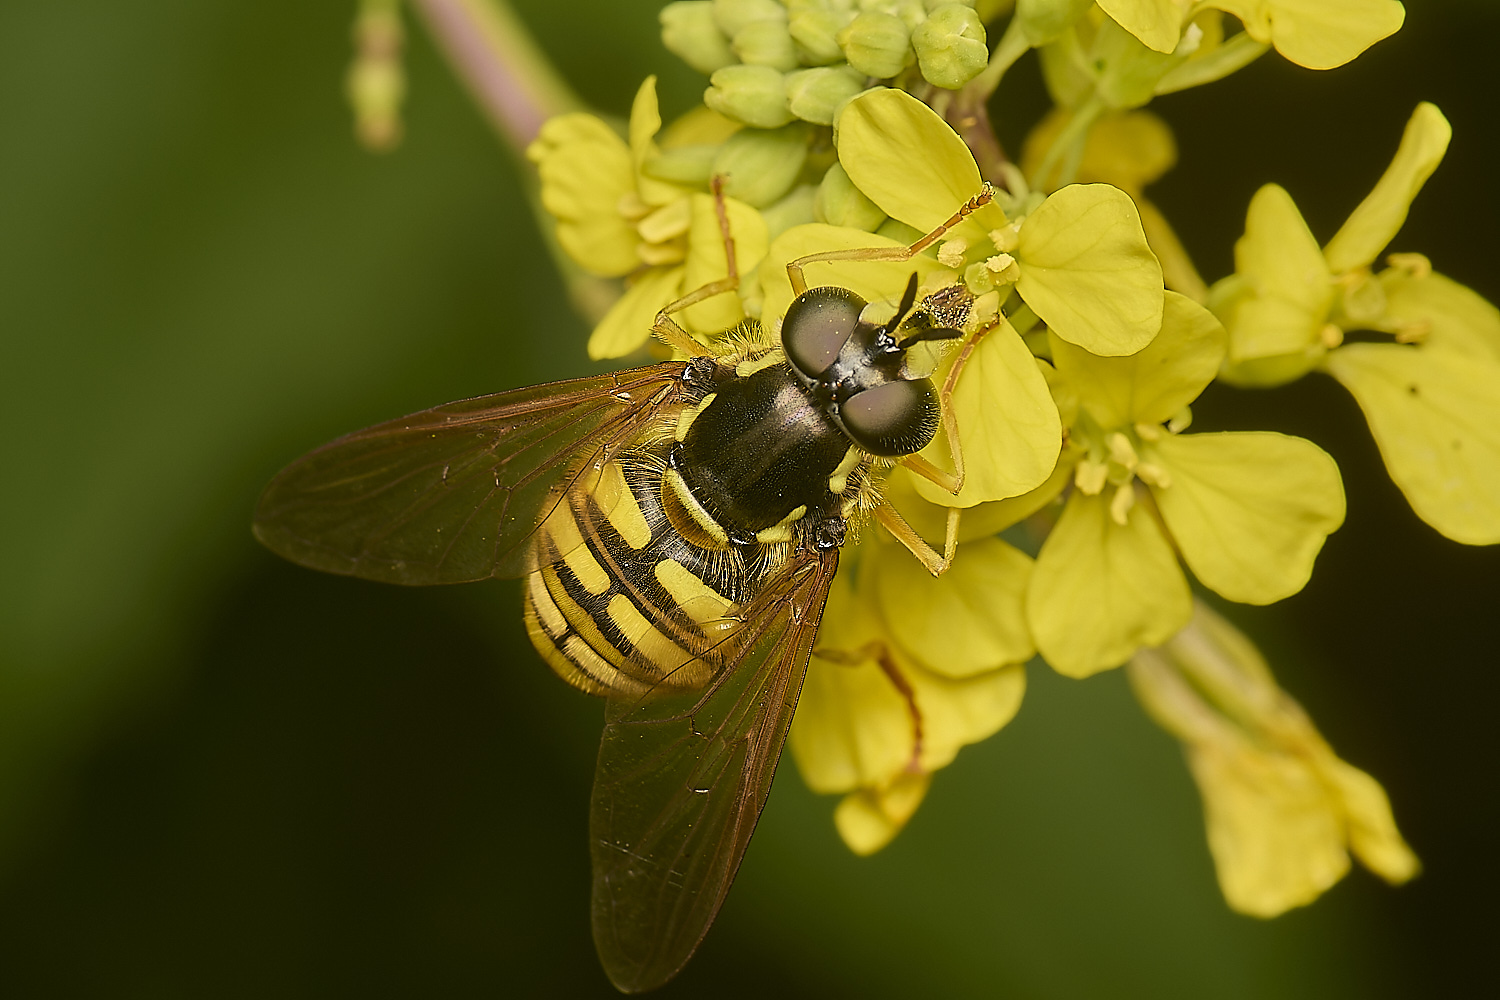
799	281
667	329
953	481
937	564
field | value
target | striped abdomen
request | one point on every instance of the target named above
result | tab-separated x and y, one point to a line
622	601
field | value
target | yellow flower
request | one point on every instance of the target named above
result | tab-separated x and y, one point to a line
1318	34
1431	391
1283	811
1130	150
1082	263
1248	512
907	671
614	218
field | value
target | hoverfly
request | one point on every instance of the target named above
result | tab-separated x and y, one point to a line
678	527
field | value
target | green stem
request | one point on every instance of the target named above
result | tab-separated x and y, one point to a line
1022	319
504	68
1012	46
516	85
1069	143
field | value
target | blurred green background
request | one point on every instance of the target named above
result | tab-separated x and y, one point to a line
221	775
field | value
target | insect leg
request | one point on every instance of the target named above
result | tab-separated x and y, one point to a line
666	328
799	281
937	564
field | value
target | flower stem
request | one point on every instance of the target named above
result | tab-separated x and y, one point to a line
1068	146
506	71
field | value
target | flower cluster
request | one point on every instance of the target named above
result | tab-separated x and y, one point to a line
1089	505
773	62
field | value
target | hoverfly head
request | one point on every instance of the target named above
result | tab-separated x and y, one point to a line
856	370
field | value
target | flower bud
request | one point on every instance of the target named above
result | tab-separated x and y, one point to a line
816	35
815	94
876	44
732	15
759	165
690	166
376	83
840	203
755	95
688	32
950	46
910	12
1044	20
766	43
794	210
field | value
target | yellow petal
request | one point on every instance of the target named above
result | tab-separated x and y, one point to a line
1152	385
1378	218
958	712
706	261
1436	417
585	170
1008	425
627	325
869	713
1282	810
1373	836
868	819
1087	272
980	521
853	727
1100	590
874	281
1276	838
645	122
1157	23
909	162
1318	34
1287	286
1249	511
968	621
1449	316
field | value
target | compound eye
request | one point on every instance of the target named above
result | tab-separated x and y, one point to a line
817	324
897	418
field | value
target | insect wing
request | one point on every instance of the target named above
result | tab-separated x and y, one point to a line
682	779
452	494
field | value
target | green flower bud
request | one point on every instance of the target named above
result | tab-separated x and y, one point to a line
795	209
840	203
877	44
690	166
933	5
766	43
732	15
950	46
911	12
759	166
816	35
815	94
688	32
755	95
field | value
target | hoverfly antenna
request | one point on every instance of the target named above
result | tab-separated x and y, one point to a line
928	333
908	299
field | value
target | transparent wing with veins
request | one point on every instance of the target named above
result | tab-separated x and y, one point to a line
682	779
453	494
